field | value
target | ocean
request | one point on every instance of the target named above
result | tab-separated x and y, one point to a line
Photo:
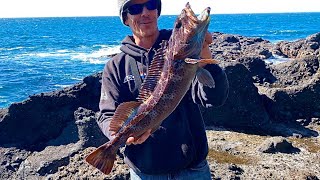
45	54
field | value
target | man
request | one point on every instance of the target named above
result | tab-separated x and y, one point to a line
178	149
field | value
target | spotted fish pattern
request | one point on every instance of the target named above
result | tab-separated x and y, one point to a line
174	66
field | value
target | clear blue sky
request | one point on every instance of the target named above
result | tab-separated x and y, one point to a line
58	8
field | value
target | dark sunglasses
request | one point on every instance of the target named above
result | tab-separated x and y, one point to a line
138	8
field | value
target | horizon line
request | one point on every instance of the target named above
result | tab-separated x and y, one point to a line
78	16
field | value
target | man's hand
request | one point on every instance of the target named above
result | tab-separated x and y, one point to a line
205	52
140	140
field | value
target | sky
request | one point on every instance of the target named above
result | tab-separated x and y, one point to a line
67	8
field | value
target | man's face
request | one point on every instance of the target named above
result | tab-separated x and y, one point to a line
145	23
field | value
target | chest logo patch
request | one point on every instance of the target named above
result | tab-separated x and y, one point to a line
128	78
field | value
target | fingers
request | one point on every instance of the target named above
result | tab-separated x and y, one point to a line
140	140
205	52
130	140
143	137
208	38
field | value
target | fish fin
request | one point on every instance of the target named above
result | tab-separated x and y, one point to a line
155	128
209	61
204	61
103	158
154	73
205	77
123	112
191	61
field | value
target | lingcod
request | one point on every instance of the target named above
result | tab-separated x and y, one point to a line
174	66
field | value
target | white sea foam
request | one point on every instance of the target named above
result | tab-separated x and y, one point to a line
3	100
77	79
283	31
107	51
275	59
49	54
61	85
97	57
15	48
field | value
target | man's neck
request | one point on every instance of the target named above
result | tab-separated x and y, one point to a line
146	42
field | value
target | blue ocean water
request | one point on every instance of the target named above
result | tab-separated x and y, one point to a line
45	54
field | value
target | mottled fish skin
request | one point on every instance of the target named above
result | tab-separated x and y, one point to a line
168	80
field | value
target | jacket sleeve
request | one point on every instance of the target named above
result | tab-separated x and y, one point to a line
109	98
211	97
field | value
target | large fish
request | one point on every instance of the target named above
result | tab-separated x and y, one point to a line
169	77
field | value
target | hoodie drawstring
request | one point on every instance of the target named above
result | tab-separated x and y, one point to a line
143	71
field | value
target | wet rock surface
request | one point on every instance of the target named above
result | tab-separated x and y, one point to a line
267	129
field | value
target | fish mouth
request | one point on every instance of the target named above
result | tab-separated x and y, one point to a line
189	32
203	19
194	24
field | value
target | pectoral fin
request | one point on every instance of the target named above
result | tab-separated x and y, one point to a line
205	77
202	61
123	112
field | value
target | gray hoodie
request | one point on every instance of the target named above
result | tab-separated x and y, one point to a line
181	141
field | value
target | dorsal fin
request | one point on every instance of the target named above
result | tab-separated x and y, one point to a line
154	72
123	112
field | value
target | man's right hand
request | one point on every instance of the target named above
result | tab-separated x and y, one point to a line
140	140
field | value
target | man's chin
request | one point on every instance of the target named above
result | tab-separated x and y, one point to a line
146	26
148	30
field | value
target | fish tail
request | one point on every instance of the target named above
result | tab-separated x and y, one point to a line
103	158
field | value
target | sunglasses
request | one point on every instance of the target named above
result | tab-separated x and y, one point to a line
138	8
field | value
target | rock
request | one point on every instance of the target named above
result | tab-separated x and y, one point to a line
232	47
295	94
47	161
315	121
301	47
243	107
314	38
259	71
10	160
236	169
277	144
89	132
59	128
228	38
311	177
44	116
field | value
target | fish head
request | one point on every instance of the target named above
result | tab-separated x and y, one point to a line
188	33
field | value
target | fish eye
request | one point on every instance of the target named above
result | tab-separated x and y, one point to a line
178	25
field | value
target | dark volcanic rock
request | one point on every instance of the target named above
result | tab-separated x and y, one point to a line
49	134
232	47
277	144
301	47
88	129
243	107
295	94
259	71
43	116
10	161
47	161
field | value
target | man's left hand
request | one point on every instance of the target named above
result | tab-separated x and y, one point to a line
139	140
205	52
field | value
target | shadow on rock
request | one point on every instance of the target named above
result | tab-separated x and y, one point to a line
44	117
243	109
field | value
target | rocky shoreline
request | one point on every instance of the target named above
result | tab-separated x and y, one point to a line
267	129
